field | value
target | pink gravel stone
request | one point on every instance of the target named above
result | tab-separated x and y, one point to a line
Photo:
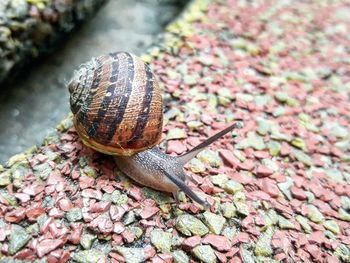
191	242
221	243
147	212
298	193
90	193
175	146
48	245
263	171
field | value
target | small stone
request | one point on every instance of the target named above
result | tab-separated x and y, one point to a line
228	210
232	187
338	131
149	211
191	242
263	245
86	240
42	170
263	171
344	215
196	166
89	171
221	243
161	240
194	125
252	140
345	202
335	175
210	157
331	225
5	178
204	253
190	79
263	126
18	239
343	253
219	180
284	223
302	157
47	245
188	225
285	187
180	257
274	148
299	143
229	232
118	198
74	214
132	255
314	214
304	224
242	208
214	222
176	133
89	256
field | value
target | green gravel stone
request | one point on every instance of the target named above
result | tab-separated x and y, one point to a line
284	223
242	209
42	170
279	111
338	131
239	155
5	178
190	80
299	143
119	198
245	97
252	140
219	180
314	214
137	231
232	187
131	255
344	215
302	157
196	166
214	222
271	164
204	253
89	171
343	253
210	157
331	225
194	125
345	202
161	240
228	210
180	257
274	148
74	214
86	240
285	187
229	232
88	256
304	224
263	245
188	225
335	175
263	126
176	133
247	256
160	197
18	239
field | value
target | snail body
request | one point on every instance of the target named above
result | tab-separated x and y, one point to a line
117	106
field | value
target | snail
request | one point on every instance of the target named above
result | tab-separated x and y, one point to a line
118	110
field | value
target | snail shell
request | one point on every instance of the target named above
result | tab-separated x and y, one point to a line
117	104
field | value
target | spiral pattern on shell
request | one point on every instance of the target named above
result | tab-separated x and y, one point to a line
117	104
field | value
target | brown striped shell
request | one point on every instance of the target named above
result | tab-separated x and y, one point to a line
117	104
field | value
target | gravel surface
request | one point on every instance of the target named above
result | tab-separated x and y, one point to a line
37	100
278	188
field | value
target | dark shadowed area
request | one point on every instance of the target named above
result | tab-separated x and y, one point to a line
37	100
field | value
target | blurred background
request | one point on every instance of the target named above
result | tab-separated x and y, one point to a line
36	99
